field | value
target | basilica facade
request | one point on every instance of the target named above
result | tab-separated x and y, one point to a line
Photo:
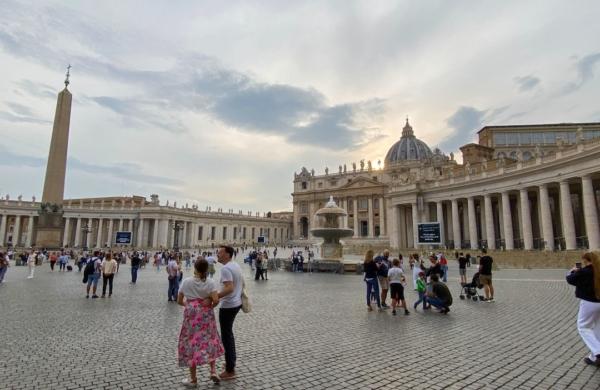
529	187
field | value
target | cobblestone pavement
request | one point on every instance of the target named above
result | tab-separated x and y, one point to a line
305	332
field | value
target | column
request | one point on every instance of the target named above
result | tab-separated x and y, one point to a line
88	238
29	232
472	222
507	222
590	212
394	216
355	217
3	230
17	231
155	234
66	232
171	234
415	223
120	224
526	220
140	234
371	228
184	243
109	239
439	211
566	214
489	222
547	231
456	225
163	233
382	218
99	243
77	243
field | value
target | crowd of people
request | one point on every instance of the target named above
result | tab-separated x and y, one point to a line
383	274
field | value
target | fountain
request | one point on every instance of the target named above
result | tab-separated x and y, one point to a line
331	225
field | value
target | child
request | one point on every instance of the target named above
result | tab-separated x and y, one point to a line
396	279
421	288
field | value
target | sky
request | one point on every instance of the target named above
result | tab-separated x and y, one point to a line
218	103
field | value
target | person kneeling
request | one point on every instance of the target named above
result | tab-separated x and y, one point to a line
439	295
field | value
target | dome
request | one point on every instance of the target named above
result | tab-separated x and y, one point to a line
408	148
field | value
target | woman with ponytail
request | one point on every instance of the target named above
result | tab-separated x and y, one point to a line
585	276
199	341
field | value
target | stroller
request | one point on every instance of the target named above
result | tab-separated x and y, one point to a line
469	290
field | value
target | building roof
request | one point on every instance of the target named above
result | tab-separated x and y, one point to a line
540	126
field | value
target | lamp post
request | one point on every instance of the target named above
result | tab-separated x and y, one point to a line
177	227
86	230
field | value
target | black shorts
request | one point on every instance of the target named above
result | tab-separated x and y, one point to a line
397	291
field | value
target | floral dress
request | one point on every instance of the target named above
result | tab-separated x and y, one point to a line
199	341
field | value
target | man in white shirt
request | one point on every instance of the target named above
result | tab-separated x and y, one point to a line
231	302
172	270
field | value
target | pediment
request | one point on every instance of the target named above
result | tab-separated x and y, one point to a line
361	182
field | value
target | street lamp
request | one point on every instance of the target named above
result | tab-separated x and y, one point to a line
177	227
86	230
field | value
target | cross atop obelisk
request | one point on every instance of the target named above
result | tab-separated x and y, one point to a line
54	184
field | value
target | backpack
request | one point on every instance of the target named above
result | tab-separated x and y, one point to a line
90	267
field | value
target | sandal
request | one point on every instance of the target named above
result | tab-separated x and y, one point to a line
215	378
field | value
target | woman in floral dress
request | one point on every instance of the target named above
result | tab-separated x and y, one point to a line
199	341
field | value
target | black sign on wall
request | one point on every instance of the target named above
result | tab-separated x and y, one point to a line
123	238
429	233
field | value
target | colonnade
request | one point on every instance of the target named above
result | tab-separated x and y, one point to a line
547	216
368	215
16	234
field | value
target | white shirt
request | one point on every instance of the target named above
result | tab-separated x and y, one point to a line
395	275
192	288
211	260
231	272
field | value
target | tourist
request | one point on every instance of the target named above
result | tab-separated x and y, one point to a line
462	268
31	263
211	260
435	269
109	267
585	276
444	266
4	264
231	303
259	267
157	260
199	341
135	266
421	289
53	259
63	261
396	281
370	268
440	295
485	275
383	265
172	275
416	269
91	274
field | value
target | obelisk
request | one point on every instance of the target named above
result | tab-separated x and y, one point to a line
50	223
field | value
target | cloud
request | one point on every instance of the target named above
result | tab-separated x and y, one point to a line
140	114
527	83
585	72
36	89
21	114
122	171
464	122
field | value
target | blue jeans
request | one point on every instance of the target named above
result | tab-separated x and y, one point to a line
2	273
445	270
422	298
173	288
373	288
134	271
437	302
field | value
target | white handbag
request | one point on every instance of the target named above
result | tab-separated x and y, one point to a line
246	304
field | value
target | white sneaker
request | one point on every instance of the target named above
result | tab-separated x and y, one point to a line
188	383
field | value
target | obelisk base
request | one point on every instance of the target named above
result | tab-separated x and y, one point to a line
50	228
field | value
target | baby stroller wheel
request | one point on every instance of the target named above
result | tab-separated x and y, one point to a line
462	296
475	297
